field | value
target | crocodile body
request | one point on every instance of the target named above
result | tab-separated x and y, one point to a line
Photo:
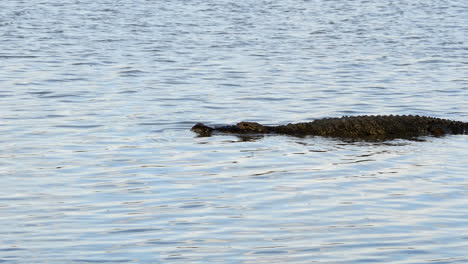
380	127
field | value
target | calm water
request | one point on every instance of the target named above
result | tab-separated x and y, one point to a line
98	165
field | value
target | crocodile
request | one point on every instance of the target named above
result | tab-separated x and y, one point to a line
371	127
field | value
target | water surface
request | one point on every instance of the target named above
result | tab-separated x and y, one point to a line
98	164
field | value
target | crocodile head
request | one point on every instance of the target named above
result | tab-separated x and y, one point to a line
202	129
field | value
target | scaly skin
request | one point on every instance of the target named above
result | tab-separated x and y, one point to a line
352	127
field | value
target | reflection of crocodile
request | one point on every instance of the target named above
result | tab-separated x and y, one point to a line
352	127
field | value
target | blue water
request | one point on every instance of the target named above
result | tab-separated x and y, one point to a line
98	164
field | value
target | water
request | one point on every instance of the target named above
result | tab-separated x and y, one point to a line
98	164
